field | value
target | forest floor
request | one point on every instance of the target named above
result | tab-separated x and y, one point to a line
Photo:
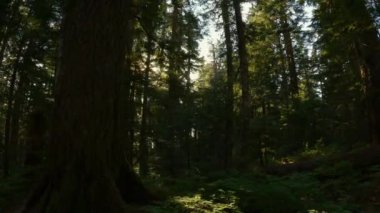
323	181
345	190
334	187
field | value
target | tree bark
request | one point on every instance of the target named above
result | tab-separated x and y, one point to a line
284	87
368	47
9	23
126	95
174	90
143	159
7	127
4	28
87	168
3	46
131	120
244	81
9	112
294	88
229	126
35	138
19	100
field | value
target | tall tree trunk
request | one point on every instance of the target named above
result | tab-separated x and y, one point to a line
188	98
144	151
229	126
175	45
19	101
3	46
368	46
285	29
7	127
262	135
215	66
284	87
126	95
244	81
131	121
5	16
366	88
370	69
9	112
9	23
174	87
87	167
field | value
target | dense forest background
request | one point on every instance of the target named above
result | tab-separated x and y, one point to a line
283	116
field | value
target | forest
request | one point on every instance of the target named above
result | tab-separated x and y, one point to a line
112	106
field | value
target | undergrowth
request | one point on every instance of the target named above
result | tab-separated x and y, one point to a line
332	188
13	190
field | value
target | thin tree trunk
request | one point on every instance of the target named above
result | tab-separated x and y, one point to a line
229	126
131	122
284	91
19	100
144	151
289	50
244	81
5	24
173	64
125	96
262	136
188	99
16	115
7	127
11	24
9	112
215	66
3	46
174	87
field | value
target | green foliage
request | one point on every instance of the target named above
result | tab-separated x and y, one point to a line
236	192
336	170
13	190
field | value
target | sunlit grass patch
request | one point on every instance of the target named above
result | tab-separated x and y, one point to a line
197	203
